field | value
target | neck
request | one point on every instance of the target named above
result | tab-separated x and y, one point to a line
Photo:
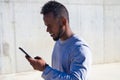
67	34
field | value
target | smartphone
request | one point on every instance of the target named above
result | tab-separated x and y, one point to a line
25	52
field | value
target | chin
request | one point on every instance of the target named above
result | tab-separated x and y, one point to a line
55	39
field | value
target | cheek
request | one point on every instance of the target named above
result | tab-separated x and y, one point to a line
55	29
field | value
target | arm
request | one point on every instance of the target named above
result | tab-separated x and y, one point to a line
80	63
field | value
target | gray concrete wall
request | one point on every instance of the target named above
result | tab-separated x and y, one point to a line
97	21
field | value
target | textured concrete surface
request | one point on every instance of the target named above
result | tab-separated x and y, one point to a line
105	72
97	21
99	72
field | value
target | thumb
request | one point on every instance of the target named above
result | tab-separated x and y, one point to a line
37	57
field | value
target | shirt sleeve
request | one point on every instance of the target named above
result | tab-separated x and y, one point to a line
79	66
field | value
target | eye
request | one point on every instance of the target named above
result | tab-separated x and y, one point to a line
49	26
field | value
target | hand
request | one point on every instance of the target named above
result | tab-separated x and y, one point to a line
37	63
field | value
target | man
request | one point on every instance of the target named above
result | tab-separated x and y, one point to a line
71	57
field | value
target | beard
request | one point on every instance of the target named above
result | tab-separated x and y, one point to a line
60	33
57	37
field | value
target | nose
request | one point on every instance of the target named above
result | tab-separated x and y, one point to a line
47	29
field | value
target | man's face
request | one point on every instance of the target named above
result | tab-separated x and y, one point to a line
54	26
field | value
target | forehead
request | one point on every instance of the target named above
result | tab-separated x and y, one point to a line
48	16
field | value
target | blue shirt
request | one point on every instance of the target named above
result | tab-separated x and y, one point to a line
71	60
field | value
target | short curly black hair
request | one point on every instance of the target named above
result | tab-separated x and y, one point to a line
58	9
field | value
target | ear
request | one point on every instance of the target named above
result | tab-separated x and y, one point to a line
64	21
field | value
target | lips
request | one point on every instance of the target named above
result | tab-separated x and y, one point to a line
52	34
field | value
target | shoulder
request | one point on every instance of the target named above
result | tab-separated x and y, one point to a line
78	42
79	47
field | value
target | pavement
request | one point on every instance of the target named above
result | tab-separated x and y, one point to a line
109	71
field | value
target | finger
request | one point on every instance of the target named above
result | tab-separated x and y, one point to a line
37	57
27	57
34	68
